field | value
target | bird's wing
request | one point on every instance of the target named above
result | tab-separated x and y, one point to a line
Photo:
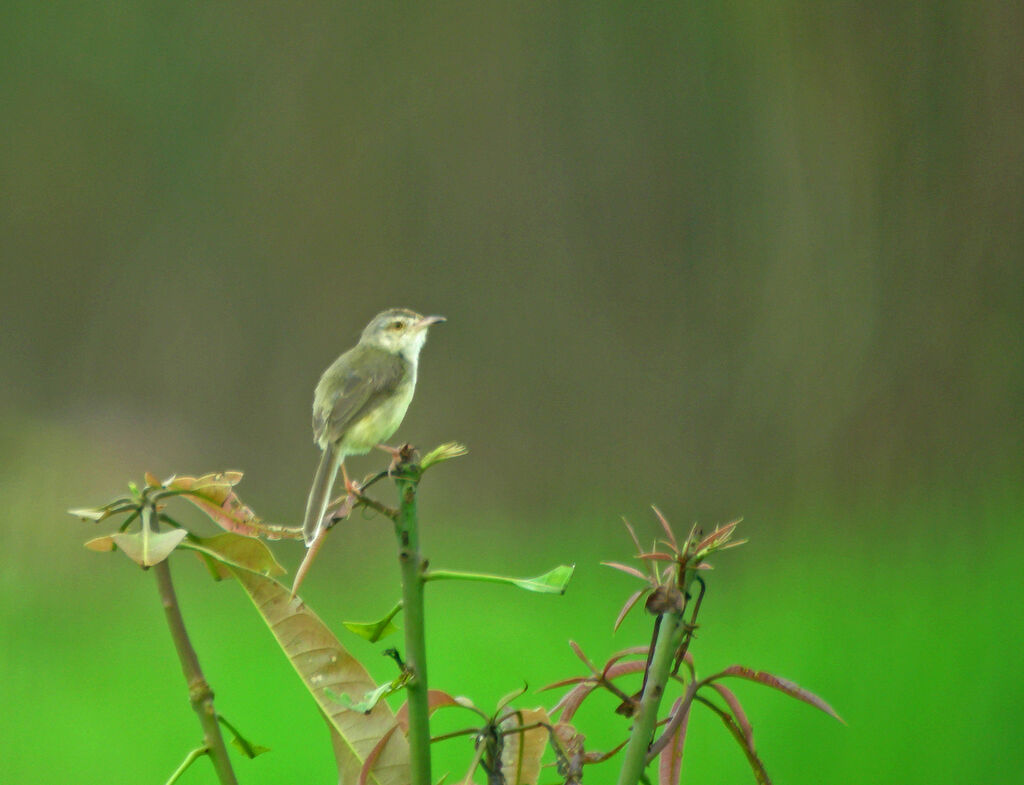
346	395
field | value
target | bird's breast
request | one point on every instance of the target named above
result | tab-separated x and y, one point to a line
381	422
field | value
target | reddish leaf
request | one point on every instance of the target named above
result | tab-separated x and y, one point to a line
626	569
371	759
570	702
719	536
633	599
563	683
760	774
436	699
632	534
620	669
213	494
782	685
633	651
579	653
737	712
670	760
667	528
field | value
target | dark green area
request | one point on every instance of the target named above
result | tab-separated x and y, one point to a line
733	259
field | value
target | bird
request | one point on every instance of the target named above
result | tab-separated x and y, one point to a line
361	399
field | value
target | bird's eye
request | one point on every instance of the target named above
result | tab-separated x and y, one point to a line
397	325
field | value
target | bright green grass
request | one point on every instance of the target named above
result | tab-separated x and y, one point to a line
905	618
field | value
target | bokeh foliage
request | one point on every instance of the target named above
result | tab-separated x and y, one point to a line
735	259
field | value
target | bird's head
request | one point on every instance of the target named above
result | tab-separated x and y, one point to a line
399	331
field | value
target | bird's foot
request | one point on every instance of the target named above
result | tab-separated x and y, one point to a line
398	455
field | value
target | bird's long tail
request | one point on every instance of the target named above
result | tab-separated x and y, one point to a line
320	493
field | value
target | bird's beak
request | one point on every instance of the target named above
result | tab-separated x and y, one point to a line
426	321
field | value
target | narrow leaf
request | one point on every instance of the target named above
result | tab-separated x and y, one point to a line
780	684
570	703
667	528
626	569
760	774
522	749
97	514
505	700
670	761
737	712
633	599
553	582
324	664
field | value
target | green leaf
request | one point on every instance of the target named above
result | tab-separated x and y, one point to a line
553	582
247	748
237	551
97	514
443	452
374	631
325	665
147	547
373	697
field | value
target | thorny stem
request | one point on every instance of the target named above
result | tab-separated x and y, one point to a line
669	638
412	567
199	692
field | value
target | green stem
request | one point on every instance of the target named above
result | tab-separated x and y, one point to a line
411	563
199	692
669	638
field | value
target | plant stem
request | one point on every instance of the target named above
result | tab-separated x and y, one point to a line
669	637
199	692
411	563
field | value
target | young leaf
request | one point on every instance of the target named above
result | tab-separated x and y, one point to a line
97	514
101	544
371	698
553	582
444	452
670	762
147	547
633	599
373	631
737	712
522	750
436	699
508	698
570	703
213	494
237	551
246	747
760	774
324	664
777	683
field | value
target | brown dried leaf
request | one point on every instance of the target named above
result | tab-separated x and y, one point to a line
522	750
326	667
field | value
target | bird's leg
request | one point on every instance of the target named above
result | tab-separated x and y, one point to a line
351	488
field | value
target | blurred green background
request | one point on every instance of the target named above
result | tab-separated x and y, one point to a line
732	259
